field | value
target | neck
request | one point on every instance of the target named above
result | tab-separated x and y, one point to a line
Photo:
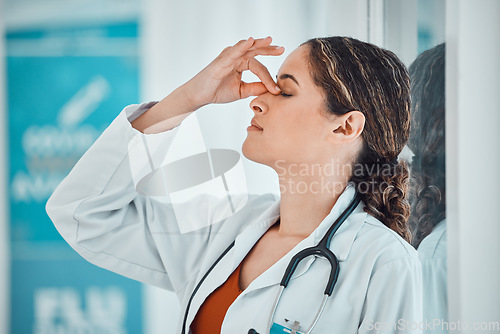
306	201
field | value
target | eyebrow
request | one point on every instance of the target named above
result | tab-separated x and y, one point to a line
288	76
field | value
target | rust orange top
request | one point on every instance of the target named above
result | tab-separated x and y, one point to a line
211	313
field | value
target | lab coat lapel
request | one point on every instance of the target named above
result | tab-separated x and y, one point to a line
227	264
214	279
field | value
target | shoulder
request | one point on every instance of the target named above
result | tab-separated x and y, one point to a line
434	245
382	246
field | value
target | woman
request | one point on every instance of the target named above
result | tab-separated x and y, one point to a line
427	142
338	105
428	191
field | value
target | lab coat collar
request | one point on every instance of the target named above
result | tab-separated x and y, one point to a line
340	245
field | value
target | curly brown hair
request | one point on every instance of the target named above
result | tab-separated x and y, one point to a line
355	75
427	142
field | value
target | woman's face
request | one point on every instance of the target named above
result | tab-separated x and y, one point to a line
294	125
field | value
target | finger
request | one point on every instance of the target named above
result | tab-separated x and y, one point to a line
227	57
243	46
262	73
273	50
262	42
252	89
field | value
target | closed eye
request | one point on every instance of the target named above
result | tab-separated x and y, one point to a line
285	95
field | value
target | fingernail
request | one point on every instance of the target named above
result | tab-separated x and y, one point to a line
278	47
277	88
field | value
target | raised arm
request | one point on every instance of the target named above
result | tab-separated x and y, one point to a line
219	82
100	213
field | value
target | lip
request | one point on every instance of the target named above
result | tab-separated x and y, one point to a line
255	125
253	128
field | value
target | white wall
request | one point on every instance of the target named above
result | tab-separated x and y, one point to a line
473	159
4	231
400	20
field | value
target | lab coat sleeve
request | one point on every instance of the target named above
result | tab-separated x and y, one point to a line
98	211
393	301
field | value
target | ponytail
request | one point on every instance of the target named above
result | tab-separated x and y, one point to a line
427	198
383	187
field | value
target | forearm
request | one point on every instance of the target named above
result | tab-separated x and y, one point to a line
172	109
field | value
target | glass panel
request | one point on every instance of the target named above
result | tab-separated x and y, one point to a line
427	143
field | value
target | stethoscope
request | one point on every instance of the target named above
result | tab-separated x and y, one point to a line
322	249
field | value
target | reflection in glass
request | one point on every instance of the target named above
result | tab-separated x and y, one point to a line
428	188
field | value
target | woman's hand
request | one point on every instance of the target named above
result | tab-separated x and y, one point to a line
220	81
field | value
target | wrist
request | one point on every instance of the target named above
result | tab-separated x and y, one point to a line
189	95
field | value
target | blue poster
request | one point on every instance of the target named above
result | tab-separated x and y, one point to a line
72	296
64	86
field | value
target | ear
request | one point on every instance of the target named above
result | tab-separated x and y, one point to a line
348	127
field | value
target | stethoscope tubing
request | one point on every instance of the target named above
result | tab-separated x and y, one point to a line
321	249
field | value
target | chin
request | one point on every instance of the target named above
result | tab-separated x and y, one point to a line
253	153
247	150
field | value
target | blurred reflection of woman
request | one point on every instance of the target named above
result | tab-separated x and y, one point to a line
428	190
336	101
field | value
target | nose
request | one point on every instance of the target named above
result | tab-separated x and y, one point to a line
258	105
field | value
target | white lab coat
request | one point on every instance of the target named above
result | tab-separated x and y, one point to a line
433	256
101	215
